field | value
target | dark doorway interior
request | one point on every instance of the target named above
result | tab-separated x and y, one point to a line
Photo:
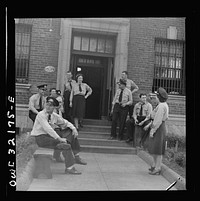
93	77
97	72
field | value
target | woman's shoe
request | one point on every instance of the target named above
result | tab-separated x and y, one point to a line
151	168
155	172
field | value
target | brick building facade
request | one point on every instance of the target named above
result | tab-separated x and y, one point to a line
108	45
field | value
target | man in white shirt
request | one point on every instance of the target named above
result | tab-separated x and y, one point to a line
52	131
141	117
120	107
69	83
130	84
37	102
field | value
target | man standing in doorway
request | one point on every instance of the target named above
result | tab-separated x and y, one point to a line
66	95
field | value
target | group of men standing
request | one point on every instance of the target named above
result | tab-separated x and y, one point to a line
123	107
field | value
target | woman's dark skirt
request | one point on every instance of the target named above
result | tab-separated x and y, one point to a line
157	142
78	106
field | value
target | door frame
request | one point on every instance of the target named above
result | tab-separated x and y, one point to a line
107	76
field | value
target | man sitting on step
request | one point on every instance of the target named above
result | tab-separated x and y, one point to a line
52	131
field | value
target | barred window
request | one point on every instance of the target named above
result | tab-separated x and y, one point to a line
22	51
169	66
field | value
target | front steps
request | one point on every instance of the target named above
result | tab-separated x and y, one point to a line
93	137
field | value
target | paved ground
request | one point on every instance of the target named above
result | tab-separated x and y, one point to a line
104	172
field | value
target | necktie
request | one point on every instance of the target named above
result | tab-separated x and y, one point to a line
40	103
49	118
120	96
141	109
80	88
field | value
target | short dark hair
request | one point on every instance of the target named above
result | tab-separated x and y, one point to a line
69	71
52	89
142	94
125	72
78	75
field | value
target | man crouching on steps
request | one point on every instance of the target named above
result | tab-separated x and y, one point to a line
62	140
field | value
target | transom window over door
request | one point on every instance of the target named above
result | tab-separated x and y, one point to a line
22	51
99	44
169	66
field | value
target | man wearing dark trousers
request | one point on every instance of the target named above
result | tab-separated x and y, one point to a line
120	108
130	126
63	140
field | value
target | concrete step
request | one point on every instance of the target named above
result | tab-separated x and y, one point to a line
108	149
94	135
96	128
103	142
96	122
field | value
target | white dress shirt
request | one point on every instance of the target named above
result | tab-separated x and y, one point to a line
42	126
34	102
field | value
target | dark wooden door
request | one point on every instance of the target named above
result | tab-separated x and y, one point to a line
93	76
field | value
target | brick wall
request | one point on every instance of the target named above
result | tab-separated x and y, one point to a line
22	93
141	52
44	52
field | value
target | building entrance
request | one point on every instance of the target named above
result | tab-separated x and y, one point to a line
95	74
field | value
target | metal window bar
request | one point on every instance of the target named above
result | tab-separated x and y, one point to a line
169	72
22	56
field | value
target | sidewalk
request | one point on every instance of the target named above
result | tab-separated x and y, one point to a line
103	172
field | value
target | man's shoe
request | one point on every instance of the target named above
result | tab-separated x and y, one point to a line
80	161
72	171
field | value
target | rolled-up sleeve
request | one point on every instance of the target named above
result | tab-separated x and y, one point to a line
63	123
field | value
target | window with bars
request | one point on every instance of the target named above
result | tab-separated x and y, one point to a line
169	66
22	51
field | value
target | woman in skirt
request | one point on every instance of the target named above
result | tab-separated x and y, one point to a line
80	92
158	132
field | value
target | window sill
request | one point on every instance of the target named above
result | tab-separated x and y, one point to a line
24	86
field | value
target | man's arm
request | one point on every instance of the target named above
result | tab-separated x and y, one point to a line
31	105
134	87
114	101
45	125
63	123
149	110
